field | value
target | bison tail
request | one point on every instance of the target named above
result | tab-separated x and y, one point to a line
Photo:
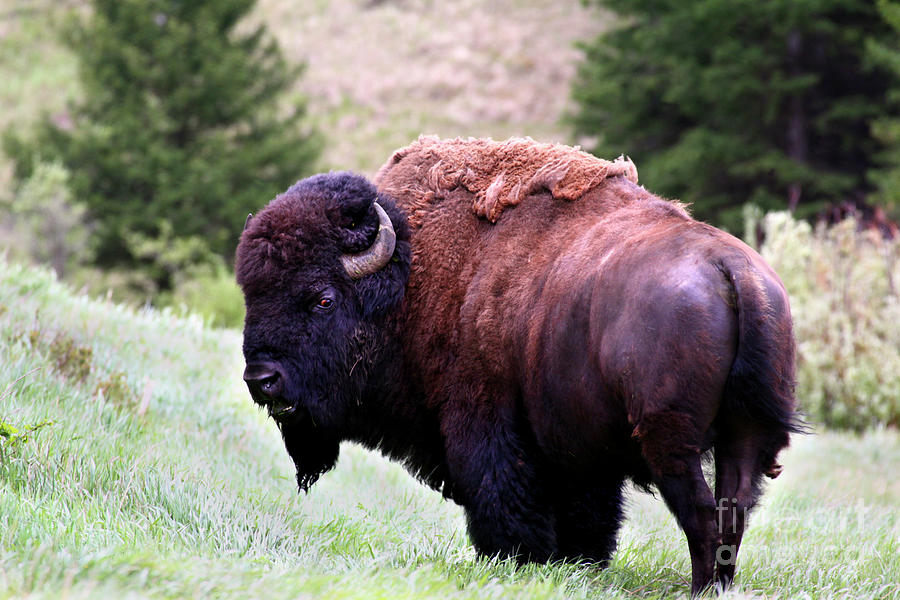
760	385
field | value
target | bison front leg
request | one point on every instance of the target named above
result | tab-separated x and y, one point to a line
493	478
588	515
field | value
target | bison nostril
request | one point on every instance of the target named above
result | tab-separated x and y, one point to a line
269	384
263	378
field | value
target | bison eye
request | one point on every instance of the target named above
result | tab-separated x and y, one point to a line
324	303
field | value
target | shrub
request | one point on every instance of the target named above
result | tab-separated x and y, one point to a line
72	359
12	438
45	224
843	286
115	390
211	293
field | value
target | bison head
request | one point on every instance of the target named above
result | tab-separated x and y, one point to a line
322	269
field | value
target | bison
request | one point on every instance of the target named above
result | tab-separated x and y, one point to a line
524	328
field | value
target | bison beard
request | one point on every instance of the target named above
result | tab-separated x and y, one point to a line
313	451
524	327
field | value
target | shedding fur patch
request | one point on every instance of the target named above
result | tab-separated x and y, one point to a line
498	174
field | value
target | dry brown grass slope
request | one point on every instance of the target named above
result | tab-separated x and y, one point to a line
379	72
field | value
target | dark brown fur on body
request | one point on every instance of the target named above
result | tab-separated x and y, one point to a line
529	366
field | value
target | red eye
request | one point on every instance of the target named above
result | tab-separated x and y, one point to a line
324	303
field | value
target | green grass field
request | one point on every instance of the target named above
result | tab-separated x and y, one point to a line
157	478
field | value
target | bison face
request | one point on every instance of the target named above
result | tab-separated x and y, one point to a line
322	267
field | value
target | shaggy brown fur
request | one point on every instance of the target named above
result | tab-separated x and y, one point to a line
498	174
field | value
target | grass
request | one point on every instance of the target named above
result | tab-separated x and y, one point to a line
170	484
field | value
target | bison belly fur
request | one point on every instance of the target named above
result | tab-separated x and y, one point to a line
524	328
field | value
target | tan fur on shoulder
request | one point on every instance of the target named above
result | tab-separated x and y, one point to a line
498	174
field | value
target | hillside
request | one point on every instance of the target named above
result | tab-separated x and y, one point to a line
151	475
379	72
382	72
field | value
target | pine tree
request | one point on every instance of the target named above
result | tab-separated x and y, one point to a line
723	102
183	128
886	53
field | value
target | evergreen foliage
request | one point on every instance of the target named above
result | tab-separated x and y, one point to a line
721	102
183	127
886	54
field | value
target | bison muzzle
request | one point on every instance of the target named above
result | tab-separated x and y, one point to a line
524	328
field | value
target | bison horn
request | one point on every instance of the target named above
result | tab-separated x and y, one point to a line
378	254
247	222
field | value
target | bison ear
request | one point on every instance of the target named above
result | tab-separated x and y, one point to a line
381	291
375	257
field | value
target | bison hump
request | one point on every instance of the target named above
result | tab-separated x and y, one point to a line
497	174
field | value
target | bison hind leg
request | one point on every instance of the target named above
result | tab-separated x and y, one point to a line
671	445
744	454
588	519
